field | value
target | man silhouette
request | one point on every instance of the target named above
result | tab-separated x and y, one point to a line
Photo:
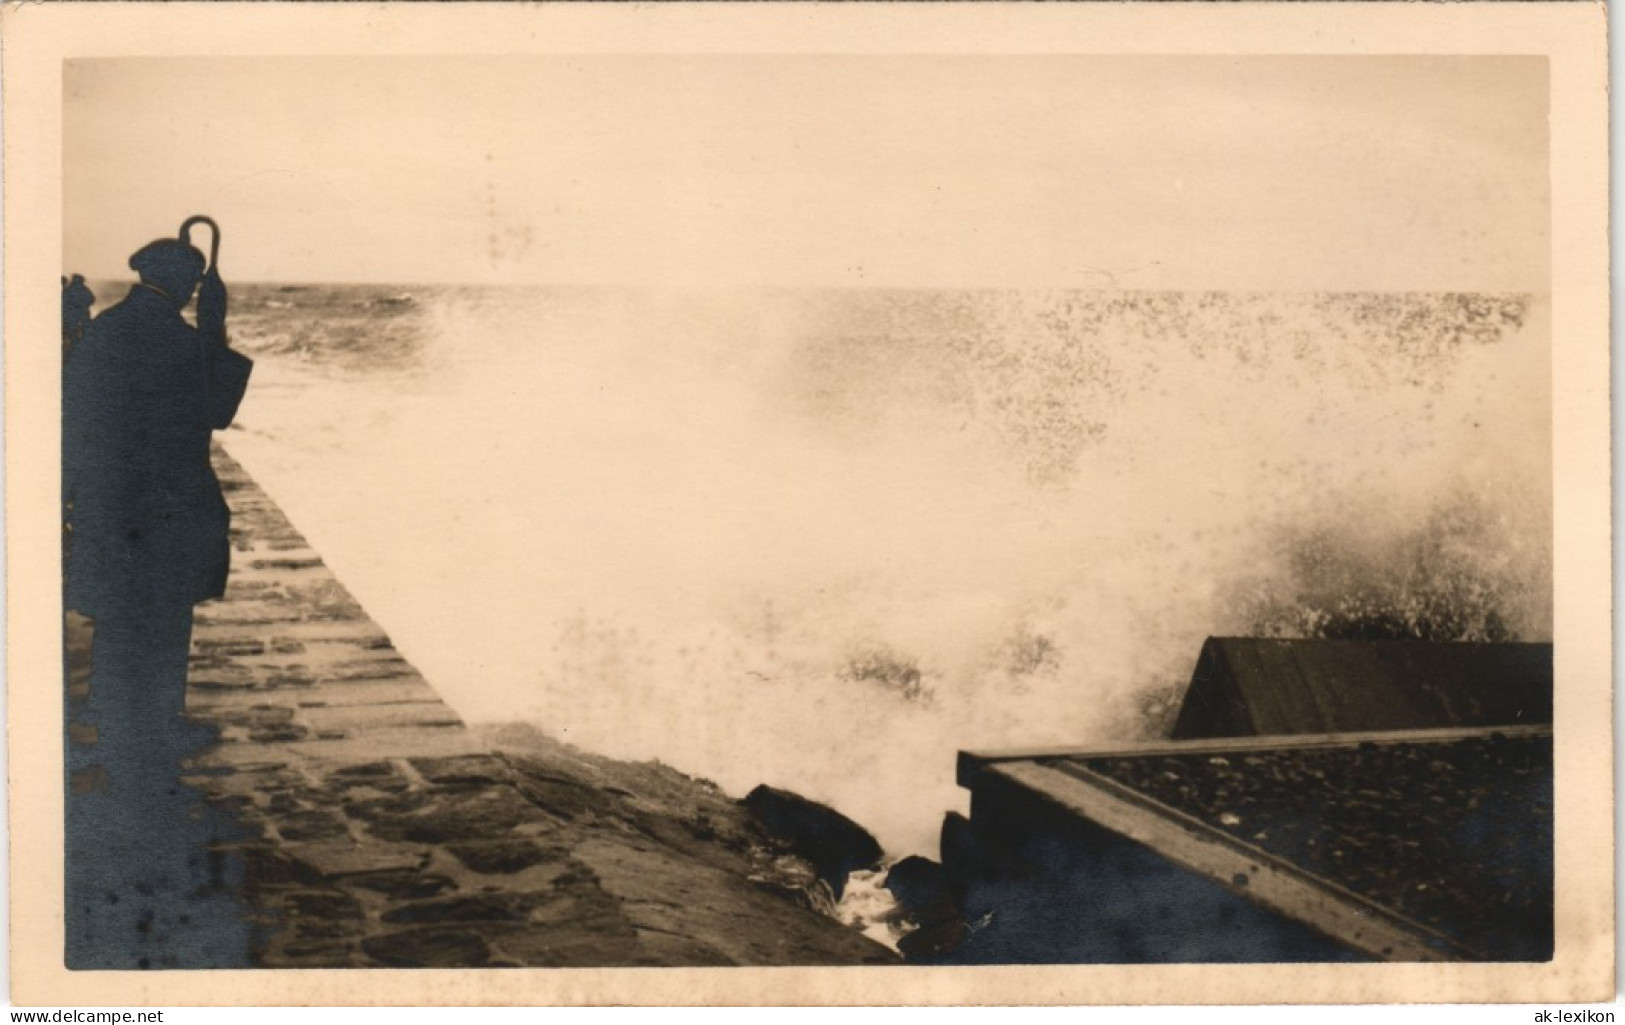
146	539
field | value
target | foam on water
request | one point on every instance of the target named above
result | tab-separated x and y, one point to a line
826	539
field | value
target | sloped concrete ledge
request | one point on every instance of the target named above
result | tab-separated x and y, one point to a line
379	830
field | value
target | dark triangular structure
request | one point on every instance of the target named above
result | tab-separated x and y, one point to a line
1245	686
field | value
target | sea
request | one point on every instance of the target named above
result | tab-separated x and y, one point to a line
825	539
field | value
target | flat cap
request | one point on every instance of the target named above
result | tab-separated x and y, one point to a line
166	256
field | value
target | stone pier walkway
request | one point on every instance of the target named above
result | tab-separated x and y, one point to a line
382	831
290	667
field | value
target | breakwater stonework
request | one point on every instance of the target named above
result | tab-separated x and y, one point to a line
377	829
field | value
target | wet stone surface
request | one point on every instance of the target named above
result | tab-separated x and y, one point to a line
498	857
428	948
406	885
379	831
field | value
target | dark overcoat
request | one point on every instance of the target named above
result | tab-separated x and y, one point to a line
147	526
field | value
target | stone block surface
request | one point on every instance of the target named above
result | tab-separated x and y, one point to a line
380	831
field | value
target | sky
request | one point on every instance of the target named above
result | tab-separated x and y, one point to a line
1251	173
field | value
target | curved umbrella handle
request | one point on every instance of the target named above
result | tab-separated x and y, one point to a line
214	246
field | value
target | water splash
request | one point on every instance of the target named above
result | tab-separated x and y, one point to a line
826	539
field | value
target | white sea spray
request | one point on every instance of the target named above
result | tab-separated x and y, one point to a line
826	539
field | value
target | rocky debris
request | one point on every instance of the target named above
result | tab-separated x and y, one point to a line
381	831
795	880
833	843
928	900
916	882
939	932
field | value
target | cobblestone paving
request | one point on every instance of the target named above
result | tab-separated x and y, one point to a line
381	831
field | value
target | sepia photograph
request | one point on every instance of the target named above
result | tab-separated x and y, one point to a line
902	508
